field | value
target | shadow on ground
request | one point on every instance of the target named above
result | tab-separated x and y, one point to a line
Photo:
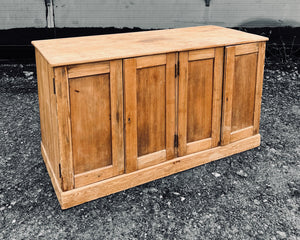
252	195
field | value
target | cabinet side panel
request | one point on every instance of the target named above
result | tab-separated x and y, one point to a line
48	116
243	91
42	92
54	124
259	85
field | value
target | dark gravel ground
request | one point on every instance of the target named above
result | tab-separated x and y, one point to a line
252	195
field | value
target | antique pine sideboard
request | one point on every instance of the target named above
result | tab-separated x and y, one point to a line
121	110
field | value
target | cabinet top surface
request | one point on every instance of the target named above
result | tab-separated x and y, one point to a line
67	51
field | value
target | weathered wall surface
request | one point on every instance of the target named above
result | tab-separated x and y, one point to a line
176	13
149	13
22	14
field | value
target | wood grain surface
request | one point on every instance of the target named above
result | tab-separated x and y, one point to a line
67	51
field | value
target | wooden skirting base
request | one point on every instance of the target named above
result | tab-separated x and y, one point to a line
112	185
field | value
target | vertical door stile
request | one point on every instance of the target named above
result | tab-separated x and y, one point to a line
227	96
217	96
170	105
116	98
182	102
176	106
64	129
130	118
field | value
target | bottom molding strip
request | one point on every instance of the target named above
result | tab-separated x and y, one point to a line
125	181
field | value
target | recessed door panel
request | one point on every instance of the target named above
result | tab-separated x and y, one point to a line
243	91
199	99
151	109
90	105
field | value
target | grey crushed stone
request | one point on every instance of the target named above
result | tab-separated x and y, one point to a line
256	195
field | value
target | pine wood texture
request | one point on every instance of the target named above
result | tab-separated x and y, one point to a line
88	69
259	85
121	110
125	181
97	149
48	112
242	91
200	90
89	49
130	118
64	128
56	183
90	104
182	102
149	110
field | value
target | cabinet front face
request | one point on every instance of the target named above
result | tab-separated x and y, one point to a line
242	91
149	89
96	120
199	99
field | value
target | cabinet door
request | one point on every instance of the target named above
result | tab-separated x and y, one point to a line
243	78
149	88
96	120
199	99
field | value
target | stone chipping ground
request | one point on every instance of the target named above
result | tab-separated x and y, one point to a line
251	195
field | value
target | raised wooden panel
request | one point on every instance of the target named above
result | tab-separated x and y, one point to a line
200	81
199	100
242	91
149	84
246	48
150	61
242	133
198	146
90	105
152	159
87	69
151	108
201	54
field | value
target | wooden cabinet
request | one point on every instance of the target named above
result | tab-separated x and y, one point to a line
121	110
